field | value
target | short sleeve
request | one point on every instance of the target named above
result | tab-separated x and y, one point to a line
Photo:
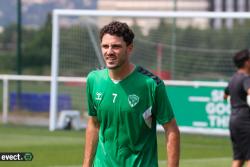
164	111
246	83
89	88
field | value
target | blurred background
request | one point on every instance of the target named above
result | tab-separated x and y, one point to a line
192	55
186	45
179	50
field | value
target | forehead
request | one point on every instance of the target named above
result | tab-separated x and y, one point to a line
107	38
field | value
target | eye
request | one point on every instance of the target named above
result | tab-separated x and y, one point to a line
105	46
116	46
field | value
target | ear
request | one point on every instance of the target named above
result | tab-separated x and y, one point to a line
130	48
247	63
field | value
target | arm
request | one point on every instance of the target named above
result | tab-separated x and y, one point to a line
248	97
172	135
246	86
226	93
91	141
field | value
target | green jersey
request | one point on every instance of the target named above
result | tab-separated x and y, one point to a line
128	112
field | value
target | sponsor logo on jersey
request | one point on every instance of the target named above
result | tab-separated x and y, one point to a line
133	100
98	96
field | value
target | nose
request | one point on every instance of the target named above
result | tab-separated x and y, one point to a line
110	50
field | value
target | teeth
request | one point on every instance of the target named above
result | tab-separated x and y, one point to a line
110	58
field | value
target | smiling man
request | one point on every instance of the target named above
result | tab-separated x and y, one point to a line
125	103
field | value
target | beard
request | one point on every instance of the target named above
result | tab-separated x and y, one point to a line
115	63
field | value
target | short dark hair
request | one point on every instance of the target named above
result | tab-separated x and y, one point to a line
241	57
118	29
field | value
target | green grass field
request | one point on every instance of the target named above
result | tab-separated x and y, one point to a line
65	148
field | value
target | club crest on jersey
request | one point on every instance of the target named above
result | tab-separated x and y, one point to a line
98	96
133	100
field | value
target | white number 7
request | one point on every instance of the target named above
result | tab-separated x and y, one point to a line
114	94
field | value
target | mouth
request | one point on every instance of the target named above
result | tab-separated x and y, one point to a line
110	59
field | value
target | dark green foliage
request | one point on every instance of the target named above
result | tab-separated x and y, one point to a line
201	53
37	51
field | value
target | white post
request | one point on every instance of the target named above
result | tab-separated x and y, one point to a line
241	7
159	58
218	7
54	73
229	22
5	99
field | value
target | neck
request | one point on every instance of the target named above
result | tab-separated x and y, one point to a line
122	72
243	71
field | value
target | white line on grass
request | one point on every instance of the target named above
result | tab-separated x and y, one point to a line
200	160
66	166
164	161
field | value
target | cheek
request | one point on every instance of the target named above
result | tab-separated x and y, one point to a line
118	52
104	51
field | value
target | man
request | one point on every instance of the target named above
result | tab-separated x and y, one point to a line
239	91
125	102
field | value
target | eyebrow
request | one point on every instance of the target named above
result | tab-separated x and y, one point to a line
112	45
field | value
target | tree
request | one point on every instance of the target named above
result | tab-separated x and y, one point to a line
37	51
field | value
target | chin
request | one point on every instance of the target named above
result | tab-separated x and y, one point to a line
112	67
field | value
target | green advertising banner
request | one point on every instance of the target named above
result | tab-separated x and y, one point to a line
200	109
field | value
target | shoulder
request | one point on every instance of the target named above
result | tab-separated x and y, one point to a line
238	78
149	76
246	79
241	78
97	75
